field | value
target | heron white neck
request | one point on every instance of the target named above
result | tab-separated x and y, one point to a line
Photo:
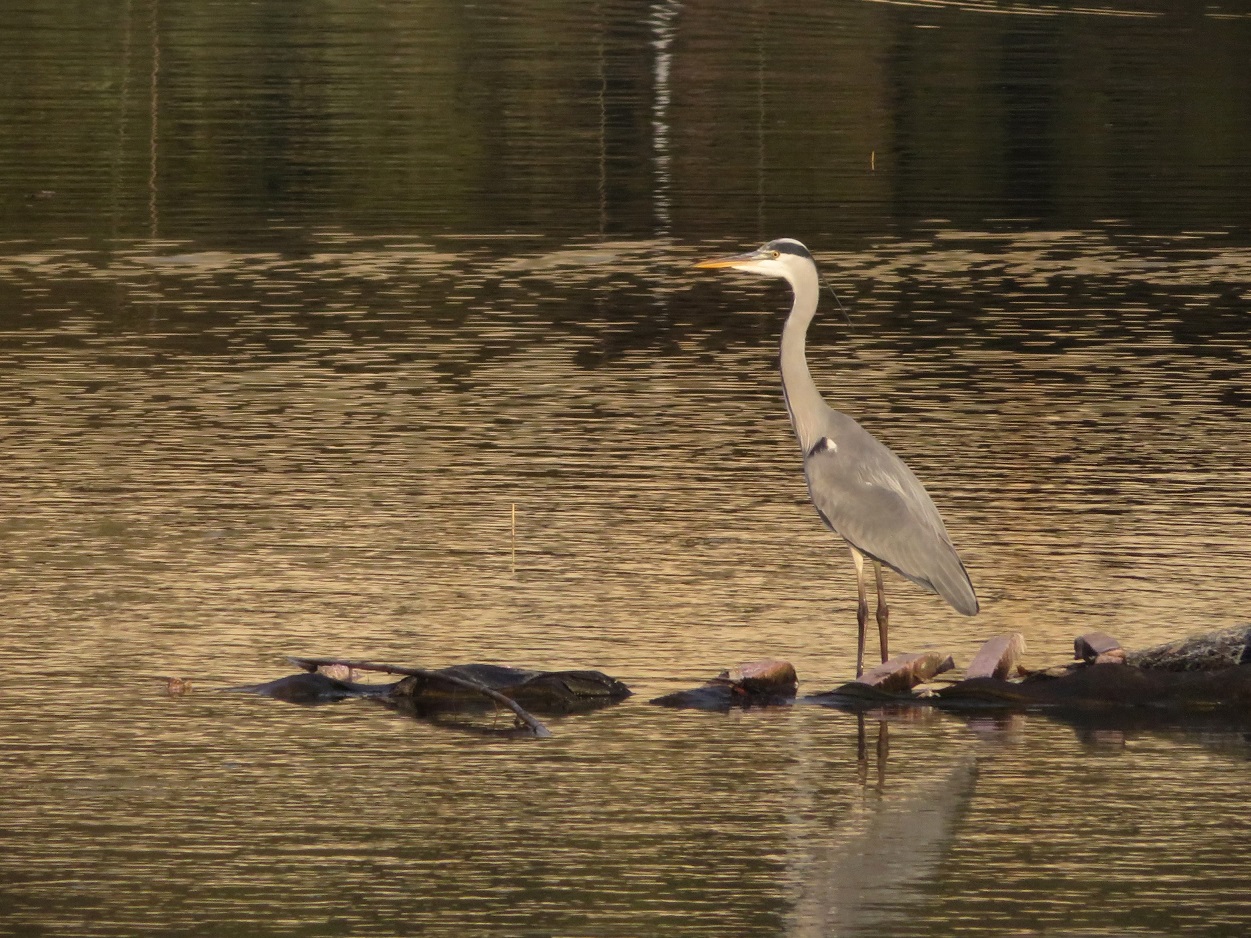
803	401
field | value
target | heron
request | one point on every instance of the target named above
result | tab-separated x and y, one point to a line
860	488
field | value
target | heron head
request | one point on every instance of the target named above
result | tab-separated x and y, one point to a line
784	257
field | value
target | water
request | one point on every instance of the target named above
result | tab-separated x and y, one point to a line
299	311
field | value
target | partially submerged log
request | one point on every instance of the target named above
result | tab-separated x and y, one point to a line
764	683
1204	674
311	688
547	691
1208	673
462	689
888	684
1102	686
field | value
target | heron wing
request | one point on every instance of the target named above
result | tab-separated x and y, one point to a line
865	493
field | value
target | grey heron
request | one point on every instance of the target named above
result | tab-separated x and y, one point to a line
860	488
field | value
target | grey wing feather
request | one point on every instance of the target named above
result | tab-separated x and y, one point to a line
866	494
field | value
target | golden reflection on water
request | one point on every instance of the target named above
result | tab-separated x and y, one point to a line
217	459
358	425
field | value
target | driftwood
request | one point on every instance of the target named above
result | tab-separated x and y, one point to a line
440	677
1102	686
546	691
310	689
889	684
765	683
904	672
1208	674
437	694
1196	678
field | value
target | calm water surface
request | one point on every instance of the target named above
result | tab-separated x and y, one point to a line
371	331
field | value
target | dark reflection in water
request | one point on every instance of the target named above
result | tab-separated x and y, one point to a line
241	123
301	306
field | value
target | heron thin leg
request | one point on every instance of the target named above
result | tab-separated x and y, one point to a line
862	610
883	611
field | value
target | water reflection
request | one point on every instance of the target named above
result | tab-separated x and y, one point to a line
864	874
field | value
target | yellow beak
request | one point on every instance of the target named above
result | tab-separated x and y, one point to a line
713	263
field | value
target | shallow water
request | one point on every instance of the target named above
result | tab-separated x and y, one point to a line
373	333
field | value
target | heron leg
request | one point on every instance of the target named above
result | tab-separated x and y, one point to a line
862	610
883	612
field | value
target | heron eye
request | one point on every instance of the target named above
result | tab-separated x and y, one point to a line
776	254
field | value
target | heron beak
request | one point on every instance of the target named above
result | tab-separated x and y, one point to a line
714	263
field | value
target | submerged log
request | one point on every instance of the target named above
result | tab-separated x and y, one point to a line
1207	676
889	684
999	657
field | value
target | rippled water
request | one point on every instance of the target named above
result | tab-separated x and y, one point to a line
482	409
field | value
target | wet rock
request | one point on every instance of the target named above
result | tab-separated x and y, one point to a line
1211	651
999	657
904	672
763	683
1090	646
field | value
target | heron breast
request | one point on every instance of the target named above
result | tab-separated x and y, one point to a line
823	445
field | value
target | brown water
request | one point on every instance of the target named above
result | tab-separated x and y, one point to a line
300	310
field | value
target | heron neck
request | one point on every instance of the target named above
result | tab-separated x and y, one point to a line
803	401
